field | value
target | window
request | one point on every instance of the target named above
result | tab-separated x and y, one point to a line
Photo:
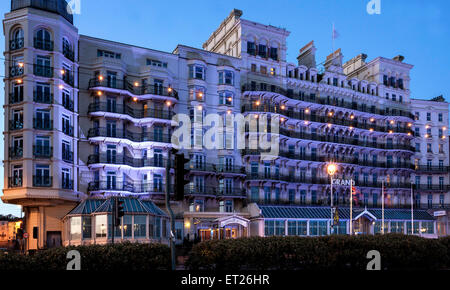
17	176
226	77
100	226
317	228
109	54
427	228
397	227
197	93
269	228
291	195
42	40
429	148
440	117
66	181
251	48
42	176
126	226
254	192
87	227
267	193
197	72
428	116
139	226
16	39
75	228
274	53
156	63
226	206
262	50
226	98
280	228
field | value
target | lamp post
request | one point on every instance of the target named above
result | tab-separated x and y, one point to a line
331	171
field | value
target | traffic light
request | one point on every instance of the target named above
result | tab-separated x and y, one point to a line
118	212
180	173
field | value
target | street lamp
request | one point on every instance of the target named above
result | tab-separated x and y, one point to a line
331	171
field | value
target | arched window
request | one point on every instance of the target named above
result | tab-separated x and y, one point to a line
42	40
16	39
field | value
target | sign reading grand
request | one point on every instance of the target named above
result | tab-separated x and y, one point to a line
343	182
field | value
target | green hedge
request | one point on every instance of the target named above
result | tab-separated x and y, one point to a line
320	253
123	256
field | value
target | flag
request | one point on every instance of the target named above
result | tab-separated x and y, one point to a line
355	194
336	217
335	33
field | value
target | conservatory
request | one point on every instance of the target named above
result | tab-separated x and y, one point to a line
91	223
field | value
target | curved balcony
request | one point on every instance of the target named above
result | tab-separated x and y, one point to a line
324	101
127	110
215	191
319	180
135	90
430	168
337	159
132	187
15	125
215	168
122	159
132	136
324	119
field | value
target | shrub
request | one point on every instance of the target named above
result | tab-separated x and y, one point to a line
320	253
123	256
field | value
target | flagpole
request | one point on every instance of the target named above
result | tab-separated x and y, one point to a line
351	206
412	211
382	206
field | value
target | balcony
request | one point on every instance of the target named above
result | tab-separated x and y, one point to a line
127	110
67	184
15	98
15	152
312	98
324	119
15	182
430	168
68	77
15	125
122	159
43	98
135	90
431	187
43	44
15	44
214	191
134	187
67	156
16	71
44	152
132	136
43	71
42	181
42	124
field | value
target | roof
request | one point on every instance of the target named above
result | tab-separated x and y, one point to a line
131	205
305	212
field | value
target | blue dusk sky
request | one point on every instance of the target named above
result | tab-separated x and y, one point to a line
416	29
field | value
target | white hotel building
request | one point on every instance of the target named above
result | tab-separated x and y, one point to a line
87	119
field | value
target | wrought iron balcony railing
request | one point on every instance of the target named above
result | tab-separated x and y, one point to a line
15	182
67	156
42	181
15	44
43	71
15	125
140	187
136	90
42	151
43	98
43	44
432	168
122	159
67	183
42	124
132	136
16	71
127	110
15	152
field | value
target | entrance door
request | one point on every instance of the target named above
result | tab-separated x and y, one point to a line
53	239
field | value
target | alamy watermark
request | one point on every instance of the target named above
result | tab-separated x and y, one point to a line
374	7
74	7
228	132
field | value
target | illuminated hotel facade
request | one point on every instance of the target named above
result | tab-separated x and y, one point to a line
87	119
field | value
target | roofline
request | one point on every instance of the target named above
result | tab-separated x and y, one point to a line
91	38
203	50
